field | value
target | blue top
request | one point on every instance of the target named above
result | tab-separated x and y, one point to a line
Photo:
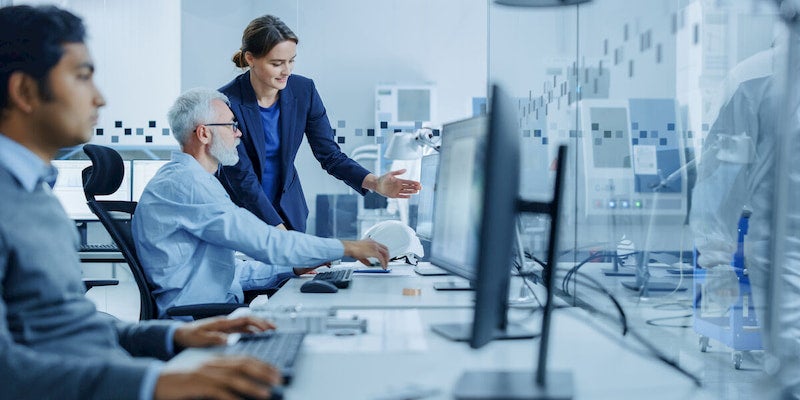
51	333
302	116
186	230
271	168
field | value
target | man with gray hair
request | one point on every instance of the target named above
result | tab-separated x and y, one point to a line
186	228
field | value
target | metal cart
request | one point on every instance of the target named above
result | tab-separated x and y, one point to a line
736	327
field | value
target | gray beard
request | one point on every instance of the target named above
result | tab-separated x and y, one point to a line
225	156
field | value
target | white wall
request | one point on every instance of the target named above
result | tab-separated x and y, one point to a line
136	49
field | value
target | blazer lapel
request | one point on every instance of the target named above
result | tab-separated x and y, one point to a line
252	121
287	134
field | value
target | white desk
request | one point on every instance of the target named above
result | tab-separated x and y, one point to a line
377	290
601	367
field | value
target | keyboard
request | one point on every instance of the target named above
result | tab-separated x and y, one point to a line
279	349
99	247
340	277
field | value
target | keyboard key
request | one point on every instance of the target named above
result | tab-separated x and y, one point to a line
340	277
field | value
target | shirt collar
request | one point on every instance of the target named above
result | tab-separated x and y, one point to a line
187	160
24	165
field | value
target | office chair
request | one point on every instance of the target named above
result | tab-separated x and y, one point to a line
103	177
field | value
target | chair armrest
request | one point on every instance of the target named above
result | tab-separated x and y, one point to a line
200	311
90	283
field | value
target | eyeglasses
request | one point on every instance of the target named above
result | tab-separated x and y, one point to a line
234	125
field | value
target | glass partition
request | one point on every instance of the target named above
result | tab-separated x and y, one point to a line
671	110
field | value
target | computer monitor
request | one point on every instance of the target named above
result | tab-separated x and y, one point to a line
498	217
498	211
426	196
475	208
143	171
69	188
458	199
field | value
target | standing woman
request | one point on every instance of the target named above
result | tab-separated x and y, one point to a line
274	109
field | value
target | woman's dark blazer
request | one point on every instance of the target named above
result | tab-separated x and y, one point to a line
301	111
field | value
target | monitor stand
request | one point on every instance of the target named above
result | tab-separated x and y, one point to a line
453	285
644	284
617	271
462	332
514	385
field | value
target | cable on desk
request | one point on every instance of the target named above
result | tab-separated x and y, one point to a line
687	305
653	350
572	273
599	288
525	277
530	256
653	322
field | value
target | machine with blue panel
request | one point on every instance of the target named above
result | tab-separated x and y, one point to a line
631	179
632	155
632	186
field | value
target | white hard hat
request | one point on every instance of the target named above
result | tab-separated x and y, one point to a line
401	240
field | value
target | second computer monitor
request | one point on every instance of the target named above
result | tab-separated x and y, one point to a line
459	196
426	196
143	171
69	188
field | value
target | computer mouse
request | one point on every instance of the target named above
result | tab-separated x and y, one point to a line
318	286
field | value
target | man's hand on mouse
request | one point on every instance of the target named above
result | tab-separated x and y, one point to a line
219	378
361	250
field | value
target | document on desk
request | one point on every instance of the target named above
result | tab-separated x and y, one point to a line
388	331
396	269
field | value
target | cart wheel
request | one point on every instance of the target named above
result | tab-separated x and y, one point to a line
704	344
736	357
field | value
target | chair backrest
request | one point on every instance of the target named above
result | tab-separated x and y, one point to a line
103	177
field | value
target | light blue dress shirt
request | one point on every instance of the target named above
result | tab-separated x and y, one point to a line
27	167
30	170
186	229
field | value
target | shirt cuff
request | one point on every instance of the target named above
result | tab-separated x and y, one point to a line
336	248
169	346
148	389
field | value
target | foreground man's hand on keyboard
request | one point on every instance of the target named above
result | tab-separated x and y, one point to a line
214	331
305	270
221	378
363	249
